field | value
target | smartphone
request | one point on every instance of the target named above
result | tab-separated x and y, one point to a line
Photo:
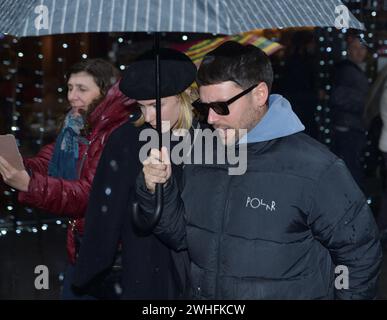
10	151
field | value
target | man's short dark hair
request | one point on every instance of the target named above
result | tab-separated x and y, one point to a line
246	65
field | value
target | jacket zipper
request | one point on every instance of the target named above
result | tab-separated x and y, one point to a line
87	143
72	222
219	242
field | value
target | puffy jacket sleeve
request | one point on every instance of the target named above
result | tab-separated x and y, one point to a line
39	163
171	227
342	221
59	196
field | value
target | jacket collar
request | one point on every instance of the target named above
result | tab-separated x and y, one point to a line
113	109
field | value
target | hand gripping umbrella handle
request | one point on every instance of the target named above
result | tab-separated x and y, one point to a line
145	222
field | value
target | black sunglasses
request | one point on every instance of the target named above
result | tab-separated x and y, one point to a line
220	107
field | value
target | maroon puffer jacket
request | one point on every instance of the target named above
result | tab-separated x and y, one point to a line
69	198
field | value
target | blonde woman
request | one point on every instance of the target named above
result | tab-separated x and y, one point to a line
149	269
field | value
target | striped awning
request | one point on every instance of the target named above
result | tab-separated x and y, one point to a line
200	49
44	17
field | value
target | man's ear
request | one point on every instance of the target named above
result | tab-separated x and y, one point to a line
261	94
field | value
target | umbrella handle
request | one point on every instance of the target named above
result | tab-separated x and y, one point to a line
152	219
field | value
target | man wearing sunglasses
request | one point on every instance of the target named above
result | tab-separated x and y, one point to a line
294	226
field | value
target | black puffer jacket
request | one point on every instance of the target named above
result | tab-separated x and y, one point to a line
276	232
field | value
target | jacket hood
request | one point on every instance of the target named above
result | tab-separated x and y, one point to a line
279	121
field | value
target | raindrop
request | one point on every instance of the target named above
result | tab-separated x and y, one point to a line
108	191
114	165
117	289
104	209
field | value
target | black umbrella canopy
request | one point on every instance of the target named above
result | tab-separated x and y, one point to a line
45	17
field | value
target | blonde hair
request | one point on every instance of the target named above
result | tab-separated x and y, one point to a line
186	113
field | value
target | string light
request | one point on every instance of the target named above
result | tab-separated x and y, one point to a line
16	58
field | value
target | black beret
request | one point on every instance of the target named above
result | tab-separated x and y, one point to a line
177	72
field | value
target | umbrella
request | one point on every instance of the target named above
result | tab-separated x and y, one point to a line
45	17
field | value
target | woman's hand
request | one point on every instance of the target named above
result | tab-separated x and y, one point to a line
157	168
17	179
